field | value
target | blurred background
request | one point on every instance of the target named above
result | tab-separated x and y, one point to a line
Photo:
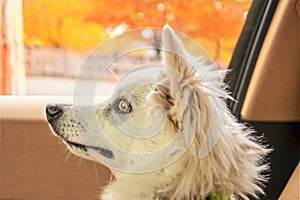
45	42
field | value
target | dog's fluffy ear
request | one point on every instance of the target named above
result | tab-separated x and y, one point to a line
174	54
179	72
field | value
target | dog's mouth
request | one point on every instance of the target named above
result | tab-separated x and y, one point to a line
105	152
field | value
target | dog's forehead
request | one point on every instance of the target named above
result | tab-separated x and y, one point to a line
137	79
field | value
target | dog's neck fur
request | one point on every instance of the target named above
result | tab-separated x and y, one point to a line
211	197
227	170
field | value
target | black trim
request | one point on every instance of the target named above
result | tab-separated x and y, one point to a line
247	50
284	139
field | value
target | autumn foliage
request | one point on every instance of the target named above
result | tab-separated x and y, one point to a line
82	24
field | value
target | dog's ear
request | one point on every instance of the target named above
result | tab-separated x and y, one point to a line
172	88
174	54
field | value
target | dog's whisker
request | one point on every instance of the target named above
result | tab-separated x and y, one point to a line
68	156
96	173
64	150
79	161
114	74
111	178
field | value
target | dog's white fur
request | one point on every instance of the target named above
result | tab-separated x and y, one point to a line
232	167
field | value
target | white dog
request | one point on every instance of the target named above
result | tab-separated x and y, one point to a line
166	133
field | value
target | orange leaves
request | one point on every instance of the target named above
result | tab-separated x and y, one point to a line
78	34
60	24
81	24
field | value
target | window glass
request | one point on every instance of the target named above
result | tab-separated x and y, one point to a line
58	35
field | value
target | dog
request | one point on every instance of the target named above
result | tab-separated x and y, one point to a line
166	133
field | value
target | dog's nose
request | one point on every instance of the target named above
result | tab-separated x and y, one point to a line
53	111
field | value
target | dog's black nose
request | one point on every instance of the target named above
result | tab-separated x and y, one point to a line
53	111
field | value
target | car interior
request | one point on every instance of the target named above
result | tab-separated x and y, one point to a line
267	88
264	80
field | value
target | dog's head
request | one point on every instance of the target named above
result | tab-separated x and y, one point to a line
169	116
153	111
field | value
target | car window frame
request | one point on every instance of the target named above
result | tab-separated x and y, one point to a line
247	51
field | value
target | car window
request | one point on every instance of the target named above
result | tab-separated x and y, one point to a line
59	36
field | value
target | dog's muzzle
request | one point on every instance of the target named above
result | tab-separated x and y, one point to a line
53	112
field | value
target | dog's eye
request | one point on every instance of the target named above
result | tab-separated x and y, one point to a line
123	106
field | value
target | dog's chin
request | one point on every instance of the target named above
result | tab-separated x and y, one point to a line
78	149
